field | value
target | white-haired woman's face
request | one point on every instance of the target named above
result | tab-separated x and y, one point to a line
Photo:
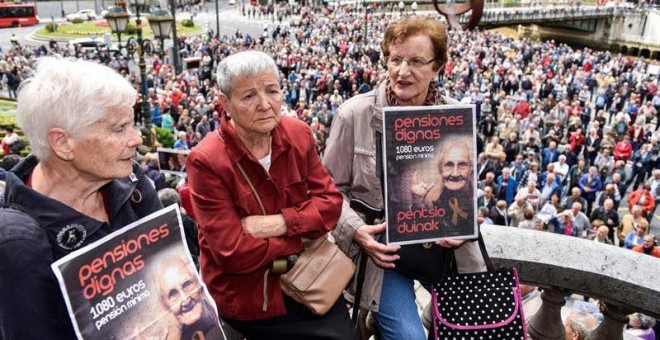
106	150
255	103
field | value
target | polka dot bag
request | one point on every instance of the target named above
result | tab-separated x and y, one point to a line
479	306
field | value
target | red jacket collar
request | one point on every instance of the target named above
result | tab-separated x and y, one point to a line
236	150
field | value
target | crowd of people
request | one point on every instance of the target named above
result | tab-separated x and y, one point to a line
564	135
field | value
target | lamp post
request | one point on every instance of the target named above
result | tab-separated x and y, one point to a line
175	40
117	19
161	23
217	19
366	21
401	7
141	45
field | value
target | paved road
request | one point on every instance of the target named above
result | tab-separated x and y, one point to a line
230	20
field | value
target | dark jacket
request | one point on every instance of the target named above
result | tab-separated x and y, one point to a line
31	303
155	175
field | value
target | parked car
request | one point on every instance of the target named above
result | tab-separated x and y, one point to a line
232	2
92	45
84	14
105	11
89	44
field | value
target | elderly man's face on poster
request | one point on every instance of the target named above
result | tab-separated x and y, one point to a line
456	167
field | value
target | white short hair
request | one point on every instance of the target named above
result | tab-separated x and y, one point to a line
70	94
247	63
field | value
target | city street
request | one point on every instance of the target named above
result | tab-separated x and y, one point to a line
230	21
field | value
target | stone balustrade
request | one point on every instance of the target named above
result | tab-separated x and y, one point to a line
622	280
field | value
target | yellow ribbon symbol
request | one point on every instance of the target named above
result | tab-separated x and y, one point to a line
456	211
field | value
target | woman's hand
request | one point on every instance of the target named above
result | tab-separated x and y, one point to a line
382	255
264	226
173	332
449	243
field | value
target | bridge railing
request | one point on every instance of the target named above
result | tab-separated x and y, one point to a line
517	15
622	280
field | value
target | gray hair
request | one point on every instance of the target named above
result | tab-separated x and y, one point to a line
244	64
582	323
70	94
168	196
645	321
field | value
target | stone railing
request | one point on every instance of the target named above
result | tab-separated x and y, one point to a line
622	280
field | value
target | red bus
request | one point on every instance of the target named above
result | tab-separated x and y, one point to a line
16	15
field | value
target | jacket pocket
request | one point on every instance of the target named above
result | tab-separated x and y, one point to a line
364	172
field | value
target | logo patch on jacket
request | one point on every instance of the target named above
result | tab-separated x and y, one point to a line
72	236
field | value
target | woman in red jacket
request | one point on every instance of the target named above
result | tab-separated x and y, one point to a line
623	149
643	198
238	241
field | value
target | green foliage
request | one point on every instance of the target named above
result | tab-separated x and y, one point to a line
131	28
165	137
511	3
187	23
51	27
77	21
8	115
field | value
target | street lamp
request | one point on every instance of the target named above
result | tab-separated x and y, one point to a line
401	7
161	23
117	19
175	40
366	21
141	46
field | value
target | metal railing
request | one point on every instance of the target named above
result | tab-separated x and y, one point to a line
531	15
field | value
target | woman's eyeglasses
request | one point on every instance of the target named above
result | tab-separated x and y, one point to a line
415	62
449	166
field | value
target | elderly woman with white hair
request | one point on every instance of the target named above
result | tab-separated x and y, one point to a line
80	184
259	188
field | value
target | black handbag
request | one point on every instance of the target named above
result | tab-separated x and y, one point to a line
425	262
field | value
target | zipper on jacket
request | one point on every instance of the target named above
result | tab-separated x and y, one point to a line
265	305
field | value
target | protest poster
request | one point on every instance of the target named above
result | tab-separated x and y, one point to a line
430	182
172	161
138	283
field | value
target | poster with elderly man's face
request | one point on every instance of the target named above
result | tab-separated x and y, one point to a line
430	182
139	282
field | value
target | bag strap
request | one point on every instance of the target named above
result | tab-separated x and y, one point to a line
254	191
247	179
484	253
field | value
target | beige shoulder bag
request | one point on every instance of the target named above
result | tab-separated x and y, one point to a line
320	273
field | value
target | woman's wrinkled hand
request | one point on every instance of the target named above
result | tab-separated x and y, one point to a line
264	226
382	255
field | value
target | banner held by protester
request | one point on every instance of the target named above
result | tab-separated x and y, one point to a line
430	182
138	282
